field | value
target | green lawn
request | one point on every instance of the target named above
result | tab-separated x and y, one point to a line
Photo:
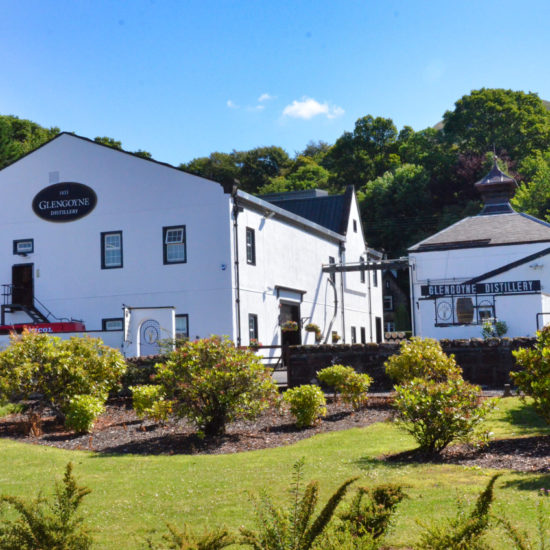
133	495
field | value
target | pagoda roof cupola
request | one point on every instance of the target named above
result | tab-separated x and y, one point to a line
496	190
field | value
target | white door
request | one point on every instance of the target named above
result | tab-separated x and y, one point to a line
149	338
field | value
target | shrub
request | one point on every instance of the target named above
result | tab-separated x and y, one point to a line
370	512
534	379
58	370
421	358
82	411
295	527
462	532
307	404
438	413
334	376
211	383
43	524
186	539
148	400
354	389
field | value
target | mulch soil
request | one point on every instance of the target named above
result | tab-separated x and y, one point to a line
119	431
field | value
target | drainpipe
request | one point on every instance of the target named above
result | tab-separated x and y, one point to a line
236	211
370	297
341	251
411	282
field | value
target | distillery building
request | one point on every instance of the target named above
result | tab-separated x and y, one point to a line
493	267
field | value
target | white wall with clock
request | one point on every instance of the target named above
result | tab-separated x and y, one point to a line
87	230
447	304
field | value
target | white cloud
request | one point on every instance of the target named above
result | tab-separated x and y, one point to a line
265	97
256	108
308	107
232	105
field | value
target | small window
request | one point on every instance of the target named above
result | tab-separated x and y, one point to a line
174	245
363	335
332	275
182	325
115	323
353	335
362	262
389	326
375	278
388	303
250	246
252	327
111	250
355	226
23	247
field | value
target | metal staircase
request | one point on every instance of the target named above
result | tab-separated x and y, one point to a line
9	307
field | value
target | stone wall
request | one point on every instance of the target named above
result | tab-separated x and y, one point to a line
484	362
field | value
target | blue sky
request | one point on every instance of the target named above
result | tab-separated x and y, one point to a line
182	79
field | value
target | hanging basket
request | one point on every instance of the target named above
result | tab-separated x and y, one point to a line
289	326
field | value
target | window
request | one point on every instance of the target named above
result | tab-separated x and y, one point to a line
174	245
363	335
362	262
389	326
23	247
355	226
115	323
353	335
182	325
252	327
387	283
388	303
250	246
332	275
375	278
111	250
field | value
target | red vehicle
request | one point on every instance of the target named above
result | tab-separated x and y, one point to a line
70	326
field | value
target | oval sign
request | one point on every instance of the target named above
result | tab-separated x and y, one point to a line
64	202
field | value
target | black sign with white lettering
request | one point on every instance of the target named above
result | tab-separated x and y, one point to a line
505	287
64	202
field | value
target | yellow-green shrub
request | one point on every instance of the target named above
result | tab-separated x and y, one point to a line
307	404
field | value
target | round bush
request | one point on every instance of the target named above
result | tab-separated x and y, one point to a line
82	411
307	404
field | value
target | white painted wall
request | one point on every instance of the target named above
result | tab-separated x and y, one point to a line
459	265
139	198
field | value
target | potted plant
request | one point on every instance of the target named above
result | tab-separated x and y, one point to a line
289	326
312	327
254	344
335	337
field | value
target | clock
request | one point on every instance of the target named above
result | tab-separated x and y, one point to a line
444	311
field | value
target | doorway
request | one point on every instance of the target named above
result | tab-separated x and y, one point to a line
22	285
290	312
149	338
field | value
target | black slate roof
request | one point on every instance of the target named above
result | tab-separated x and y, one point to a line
494	230
330	211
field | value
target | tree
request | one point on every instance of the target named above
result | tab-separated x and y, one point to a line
305	173
533	196
364	154
516	123
220	167
109	142
396	209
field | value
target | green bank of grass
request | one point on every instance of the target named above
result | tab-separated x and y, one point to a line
133	495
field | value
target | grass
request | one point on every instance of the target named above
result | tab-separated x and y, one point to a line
134	495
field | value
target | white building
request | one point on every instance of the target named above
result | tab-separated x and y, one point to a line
495	265
86	230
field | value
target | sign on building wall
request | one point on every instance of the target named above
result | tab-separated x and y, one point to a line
501	288
64	202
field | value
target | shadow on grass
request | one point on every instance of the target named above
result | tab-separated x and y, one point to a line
526	421
531	483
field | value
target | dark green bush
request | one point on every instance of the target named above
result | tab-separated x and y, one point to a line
465	532
187	539
211	383
534	379
294	527
43	524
